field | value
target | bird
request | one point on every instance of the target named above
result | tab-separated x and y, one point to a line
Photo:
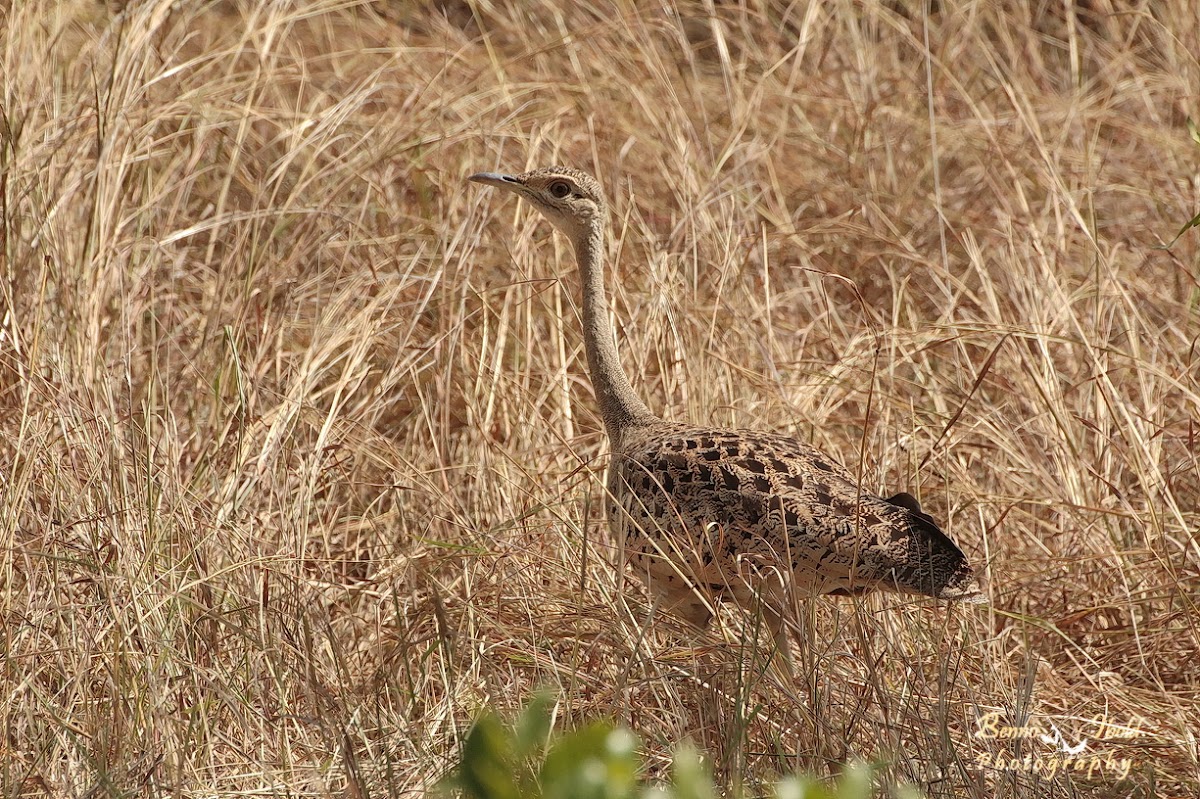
704	515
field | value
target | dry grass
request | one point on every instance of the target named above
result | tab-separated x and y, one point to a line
300	469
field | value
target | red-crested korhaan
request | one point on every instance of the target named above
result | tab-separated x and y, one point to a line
704	514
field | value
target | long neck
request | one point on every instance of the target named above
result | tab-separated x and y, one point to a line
619	406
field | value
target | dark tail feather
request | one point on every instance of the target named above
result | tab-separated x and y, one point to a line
941	569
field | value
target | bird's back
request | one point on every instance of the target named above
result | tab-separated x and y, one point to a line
754	514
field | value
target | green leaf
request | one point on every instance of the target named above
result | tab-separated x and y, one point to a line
534	727
1193	130
486	770
689	777
855	782
596	762
801	788
602	762
1193	222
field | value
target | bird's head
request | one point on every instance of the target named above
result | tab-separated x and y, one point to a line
570	199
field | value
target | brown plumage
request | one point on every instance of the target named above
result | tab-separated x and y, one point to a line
704	514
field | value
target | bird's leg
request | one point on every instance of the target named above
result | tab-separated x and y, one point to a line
685	605
781	657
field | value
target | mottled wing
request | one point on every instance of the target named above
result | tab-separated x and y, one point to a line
732	510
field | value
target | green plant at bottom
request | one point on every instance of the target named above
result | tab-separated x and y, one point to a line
600	761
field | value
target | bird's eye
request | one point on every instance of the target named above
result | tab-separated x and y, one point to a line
559	189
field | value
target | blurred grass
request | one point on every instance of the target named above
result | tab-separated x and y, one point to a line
299	468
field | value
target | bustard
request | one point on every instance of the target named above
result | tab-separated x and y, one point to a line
703	513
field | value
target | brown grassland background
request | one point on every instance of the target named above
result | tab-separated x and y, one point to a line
300	468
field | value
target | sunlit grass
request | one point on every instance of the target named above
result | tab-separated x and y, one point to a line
300	468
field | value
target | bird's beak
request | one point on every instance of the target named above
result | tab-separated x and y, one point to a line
510	182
